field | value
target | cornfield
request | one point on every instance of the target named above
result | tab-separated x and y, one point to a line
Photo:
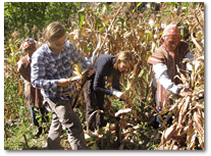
100	32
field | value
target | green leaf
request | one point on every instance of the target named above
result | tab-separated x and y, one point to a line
137	6
142	72
89	48
147	14
98	22
78	4
81	17
95	147
156	25
122	21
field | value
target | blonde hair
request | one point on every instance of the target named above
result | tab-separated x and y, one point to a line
124	56
54	31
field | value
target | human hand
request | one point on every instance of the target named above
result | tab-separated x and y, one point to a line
128	105
184	92
119	94
91	71
64	82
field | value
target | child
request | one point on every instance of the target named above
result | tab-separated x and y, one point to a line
33	95
52	72
106	65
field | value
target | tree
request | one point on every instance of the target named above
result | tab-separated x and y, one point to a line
22	16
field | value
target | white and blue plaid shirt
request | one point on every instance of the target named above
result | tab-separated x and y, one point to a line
47	68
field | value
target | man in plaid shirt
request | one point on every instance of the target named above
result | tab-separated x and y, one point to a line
51	71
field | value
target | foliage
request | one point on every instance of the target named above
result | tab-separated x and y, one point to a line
102	28
187	130
28	18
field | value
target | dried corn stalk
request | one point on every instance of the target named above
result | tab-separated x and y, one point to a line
187	131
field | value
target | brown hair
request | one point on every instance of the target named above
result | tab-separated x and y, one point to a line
124	56
54	31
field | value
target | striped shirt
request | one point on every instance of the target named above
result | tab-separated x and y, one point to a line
47	68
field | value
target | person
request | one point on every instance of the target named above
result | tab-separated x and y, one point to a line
94	90
32	95
164	61
52	72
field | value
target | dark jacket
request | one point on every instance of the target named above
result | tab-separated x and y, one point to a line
104	66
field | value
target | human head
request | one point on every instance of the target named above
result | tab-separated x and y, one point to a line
55	36
123	61
29	46
171	37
